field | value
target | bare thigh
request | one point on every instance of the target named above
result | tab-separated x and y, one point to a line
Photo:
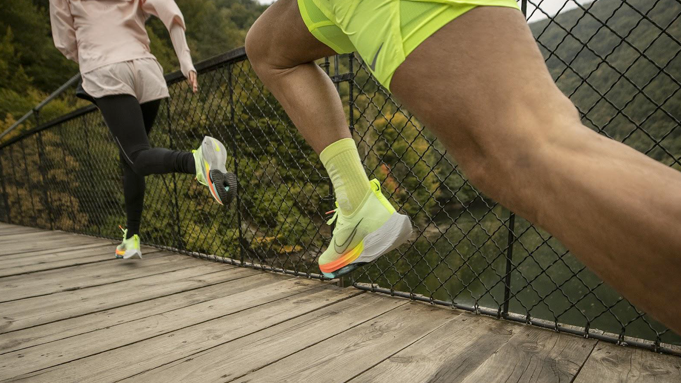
481	84
280	37
282	52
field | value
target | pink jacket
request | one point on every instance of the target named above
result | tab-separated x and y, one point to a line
95	33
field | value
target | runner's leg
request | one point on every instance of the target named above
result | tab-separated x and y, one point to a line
520	140
129	123
282	52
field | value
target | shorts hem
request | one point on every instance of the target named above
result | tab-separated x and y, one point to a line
435	24
153	98
312	28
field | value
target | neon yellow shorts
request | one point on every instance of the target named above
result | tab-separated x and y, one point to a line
383	32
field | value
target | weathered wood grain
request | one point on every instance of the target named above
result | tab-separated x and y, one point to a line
610	363
237	322
31	312
352	352
447	355
237	358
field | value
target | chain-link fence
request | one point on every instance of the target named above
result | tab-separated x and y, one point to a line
617	60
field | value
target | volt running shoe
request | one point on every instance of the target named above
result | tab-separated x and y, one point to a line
374	229
130	247
210	159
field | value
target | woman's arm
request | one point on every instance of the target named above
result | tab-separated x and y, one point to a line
181	49
63	32
172	18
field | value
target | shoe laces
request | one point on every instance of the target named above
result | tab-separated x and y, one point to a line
375	188
125	232
125	236
334	217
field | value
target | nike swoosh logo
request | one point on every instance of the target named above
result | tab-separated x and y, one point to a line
347	241
373	63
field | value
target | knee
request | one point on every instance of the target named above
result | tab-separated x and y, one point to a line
268	43
514	147
137	169
140	171
529	129
252	43
135	161
258	46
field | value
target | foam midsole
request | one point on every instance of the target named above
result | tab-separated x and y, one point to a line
132	253
394	232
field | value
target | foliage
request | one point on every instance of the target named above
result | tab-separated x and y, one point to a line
624	75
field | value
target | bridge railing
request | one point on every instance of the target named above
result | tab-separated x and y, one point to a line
618	61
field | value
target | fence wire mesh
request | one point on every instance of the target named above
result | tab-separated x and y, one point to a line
617	60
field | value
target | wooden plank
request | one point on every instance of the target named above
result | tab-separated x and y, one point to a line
63	250
535	355
79	277
51	332
54	241
103	252
610	363
25	237
39	242
237	358
43	266
111	366
352	352
31	312
53	261
36	358
11	230
446	355
9	226
18	241
17	260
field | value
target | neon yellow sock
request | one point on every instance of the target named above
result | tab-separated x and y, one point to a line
350	182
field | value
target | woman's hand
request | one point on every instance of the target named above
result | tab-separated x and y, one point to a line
193	81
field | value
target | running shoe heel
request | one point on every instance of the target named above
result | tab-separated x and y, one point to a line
396	231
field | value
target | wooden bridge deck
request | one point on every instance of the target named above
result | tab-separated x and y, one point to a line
69	312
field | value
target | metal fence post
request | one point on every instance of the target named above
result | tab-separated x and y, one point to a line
73	207
28	180
327	68
41	168
351	94
14	175
230	86
509	263
84	129
511	236
43	173
4	190
178	229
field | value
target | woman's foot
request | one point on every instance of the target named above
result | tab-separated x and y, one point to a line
210	159
130	247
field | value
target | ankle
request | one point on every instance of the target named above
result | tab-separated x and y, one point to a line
342	162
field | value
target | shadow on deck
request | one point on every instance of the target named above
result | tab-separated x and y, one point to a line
71	312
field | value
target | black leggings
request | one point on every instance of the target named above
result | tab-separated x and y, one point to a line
130	123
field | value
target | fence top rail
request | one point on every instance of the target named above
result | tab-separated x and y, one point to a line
38	107
235	55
